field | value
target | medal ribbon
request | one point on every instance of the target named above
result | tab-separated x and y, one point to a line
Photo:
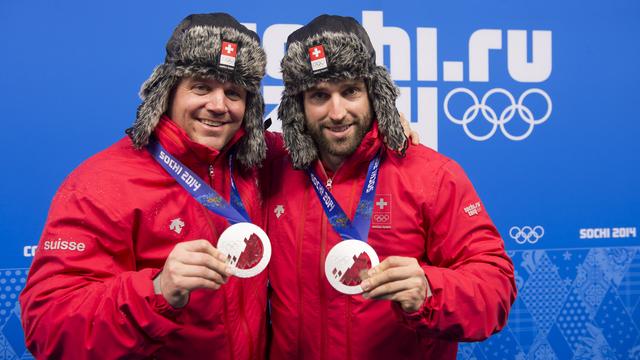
198	188
358	229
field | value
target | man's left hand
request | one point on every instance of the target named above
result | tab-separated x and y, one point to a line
399	279
411	134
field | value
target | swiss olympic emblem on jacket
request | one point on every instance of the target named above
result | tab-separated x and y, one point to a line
381	217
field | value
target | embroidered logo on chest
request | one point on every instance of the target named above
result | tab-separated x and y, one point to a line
278	210
381	217
176	225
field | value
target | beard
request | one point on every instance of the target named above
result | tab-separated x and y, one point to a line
344	146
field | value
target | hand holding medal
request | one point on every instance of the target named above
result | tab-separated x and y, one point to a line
352	266
191	265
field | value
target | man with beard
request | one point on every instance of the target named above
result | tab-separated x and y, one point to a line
129	264
380	254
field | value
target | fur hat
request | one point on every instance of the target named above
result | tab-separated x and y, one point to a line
195	49
348	54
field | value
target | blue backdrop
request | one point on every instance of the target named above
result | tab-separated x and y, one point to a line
535	99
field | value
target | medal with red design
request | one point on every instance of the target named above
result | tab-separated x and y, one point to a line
347	263
247	248
350	259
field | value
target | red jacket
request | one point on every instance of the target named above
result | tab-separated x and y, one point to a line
425	208
110	228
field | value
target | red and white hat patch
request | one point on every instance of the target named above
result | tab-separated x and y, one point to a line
228	53
318	59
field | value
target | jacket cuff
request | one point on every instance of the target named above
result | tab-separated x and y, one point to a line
158	302
424	317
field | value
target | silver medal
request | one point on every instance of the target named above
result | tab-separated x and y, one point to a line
345	263
247	247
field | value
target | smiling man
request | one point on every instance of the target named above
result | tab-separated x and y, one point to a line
209	111
140	274
377	257
338	115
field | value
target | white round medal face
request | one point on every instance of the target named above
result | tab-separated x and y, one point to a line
345	262
247	248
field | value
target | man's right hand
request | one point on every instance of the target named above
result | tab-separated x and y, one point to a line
191	265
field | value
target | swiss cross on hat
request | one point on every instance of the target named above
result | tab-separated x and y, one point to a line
229	48
318	59
228	53
316	52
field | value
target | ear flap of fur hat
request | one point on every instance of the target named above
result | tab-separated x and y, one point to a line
384	94
252	148
349	55
155	94
300	145
195	50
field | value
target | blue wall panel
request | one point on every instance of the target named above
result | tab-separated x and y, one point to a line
557	168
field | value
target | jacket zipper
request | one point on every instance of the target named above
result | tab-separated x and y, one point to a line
299	240
323	296
224	292
243	319
242	304
321	289
323	301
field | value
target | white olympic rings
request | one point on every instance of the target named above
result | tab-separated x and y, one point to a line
526	234
381	218
491	115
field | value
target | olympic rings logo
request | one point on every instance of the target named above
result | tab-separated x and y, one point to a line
526	234
491	115
380	218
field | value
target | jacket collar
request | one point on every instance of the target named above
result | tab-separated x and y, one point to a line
178	143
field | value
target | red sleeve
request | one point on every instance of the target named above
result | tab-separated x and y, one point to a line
88	301
275	145
470	275
276	152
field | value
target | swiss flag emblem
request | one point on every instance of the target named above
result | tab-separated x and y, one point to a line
317	58
229	48
316	52
228	53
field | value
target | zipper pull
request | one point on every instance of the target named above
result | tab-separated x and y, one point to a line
329	183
